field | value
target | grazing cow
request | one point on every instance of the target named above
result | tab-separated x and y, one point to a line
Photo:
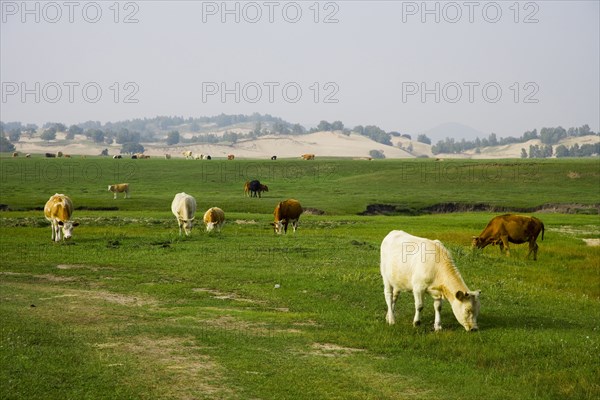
50	155
15	154
247	188
511	228
256	188
273	158
59	154
67	156
207	157
410	263
117	156
285	212
187	154
308	156
58	210
184	209
119	188
28	155
214	218
167	156
230	157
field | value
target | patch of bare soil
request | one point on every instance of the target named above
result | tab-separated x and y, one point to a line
592	242
226	296
333	350
177	366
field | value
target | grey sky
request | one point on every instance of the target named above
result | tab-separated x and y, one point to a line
368	64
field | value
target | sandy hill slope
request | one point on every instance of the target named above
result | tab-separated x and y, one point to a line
322	144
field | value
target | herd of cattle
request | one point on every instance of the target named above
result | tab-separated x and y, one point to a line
188	155
407	262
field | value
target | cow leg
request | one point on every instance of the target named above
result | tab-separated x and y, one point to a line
505	245
533	247
391	296
53	226
114	195
180	223
295	225
285	225
418	295
437	306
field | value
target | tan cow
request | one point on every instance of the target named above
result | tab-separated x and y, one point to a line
119	188
214	218
285	212
511	228
58	210
230	157
184	209
411	263
187	154
308	156
247	188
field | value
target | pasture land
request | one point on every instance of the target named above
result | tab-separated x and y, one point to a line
129	310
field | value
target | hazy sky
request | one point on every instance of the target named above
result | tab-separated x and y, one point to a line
503	67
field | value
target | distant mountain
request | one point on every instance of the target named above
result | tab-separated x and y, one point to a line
453	130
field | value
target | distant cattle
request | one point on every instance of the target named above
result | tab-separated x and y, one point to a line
184	209
230	157
207	157
119	188
58	211
286	212
117	156
50	155
273	158
59	154
214	218
511	228
247	189
256	188
187	154
411	263
67	156
167	156
308	156
134	157
15	154
28	155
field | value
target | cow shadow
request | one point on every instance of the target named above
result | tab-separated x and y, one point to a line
527	321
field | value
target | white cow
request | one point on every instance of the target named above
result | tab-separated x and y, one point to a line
411	263
184	209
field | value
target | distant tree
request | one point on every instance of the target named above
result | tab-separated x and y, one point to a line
552	135
131	147
523	153
14	135
173	138
493	140
376	154
104	152
561	151
5	145
72	131
97	136
337	126
410	148
324	126
49	134
230	137
195	127
422	138
298	129
359	129
529	135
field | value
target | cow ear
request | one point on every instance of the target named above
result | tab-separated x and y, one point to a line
460	295
193	218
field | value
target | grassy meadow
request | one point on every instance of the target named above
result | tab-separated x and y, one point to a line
129	310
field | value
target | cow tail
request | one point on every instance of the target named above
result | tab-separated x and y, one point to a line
542	231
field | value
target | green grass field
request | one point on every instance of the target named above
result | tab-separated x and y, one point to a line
128	310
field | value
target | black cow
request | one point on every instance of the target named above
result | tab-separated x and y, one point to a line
50	155
273	158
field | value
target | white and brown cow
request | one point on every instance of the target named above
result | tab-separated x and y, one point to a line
511	228
411	263
58	211
119	188
187	154
307	156
214	218
184	209
286	212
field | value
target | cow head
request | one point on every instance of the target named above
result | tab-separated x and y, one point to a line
187	225
278	226
476	242
466	309
67	228
111	188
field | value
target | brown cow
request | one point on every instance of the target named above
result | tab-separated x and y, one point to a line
231	157
285	212
58	210
119	188
308	156
214	218
247	188
511	228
